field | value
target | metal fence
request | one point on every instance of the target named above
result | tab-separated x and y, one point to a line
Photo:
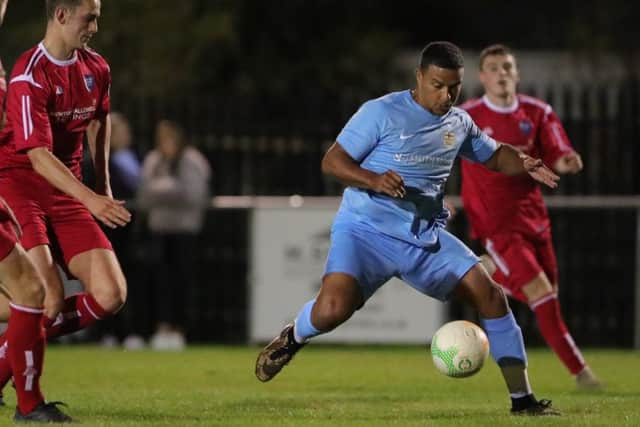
263	148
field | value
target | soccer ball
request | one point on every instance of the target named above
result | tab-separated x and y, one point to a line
459	349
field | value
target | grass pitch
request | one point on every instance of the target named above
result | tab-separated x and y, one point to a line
323	386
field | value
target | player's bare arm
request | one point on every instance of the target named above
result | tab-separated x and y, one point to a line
99	137
3	9
109	211
568	164
510	161
338	163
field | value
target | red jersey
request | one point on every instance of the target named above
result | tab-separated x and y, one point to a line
50	103
496	202
3	91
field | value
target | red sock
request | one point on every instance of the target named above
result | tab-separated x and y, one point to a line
555	333
5	366
79	311
25	348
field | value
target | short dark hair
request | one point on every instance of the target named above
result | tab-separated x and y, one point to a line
442	54
51	6
494	49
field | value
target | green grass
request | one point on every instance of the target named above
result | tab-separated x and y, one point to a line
324	386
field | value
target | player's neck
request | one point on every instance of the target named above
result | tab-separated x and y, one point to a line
56	47
416	98
502	101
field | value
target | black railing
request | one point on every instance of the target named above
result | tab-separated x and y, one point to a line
263	148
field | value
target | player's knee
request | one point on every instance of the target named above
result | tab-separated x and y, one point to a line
29	290
497	297
111	298
494	302
330	312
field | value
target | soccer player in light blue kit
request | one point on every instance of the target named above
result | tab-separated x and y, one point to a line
395	154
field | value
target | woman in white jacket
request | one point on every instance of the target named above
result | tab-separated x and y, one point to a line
174	192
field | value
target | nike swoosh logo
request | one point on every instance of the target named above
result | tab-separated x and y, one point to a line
406	136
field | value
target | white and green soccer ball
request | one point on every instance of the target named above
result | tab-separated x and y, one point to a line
459	348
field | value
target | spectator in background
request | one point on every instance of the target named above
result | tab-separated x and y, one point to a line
126	170
174	192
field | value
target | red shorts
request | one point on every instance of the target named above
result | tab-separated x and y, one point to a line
9	230
41	209
519	259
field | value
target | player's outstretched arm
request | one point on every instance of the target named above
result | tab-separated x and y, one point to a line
109	211
3	9
338	163
510	161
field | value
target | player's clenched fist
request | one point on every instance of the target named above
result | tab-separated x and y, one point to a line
569	163
389	183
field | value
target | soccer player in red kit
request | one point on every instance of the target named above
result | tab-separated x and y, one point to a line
25	339
3	93
507	214
55	90
3	81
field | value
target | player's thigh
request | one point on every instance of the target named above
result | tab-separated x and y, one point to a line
100	272
8	242
5	311
436	272
31	218
46	266
362	254
75	229
546	255
516	261
19	276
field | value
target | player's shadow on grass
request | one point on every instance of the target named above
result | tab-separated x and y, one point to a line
352	408
138	414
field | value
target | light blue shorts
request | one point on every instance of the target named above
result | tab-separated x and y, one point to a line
373	258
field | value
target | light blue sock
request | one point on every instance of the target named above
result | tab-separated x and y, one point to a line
303	329
505	340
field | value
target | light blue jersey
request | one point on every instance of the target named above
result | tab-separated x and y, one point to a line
395	133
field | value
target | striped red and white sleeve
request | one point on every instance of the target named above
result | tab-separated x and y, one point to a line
553	139
27	102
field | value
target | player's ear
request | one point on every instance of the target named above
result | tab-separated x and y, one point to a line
419	76
61	15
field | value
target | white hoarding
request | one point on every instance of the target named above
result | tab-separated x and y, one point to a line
288	251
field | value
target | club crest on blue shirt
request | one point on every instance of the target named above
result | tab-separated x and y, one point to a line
89	81
449	138
526	126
